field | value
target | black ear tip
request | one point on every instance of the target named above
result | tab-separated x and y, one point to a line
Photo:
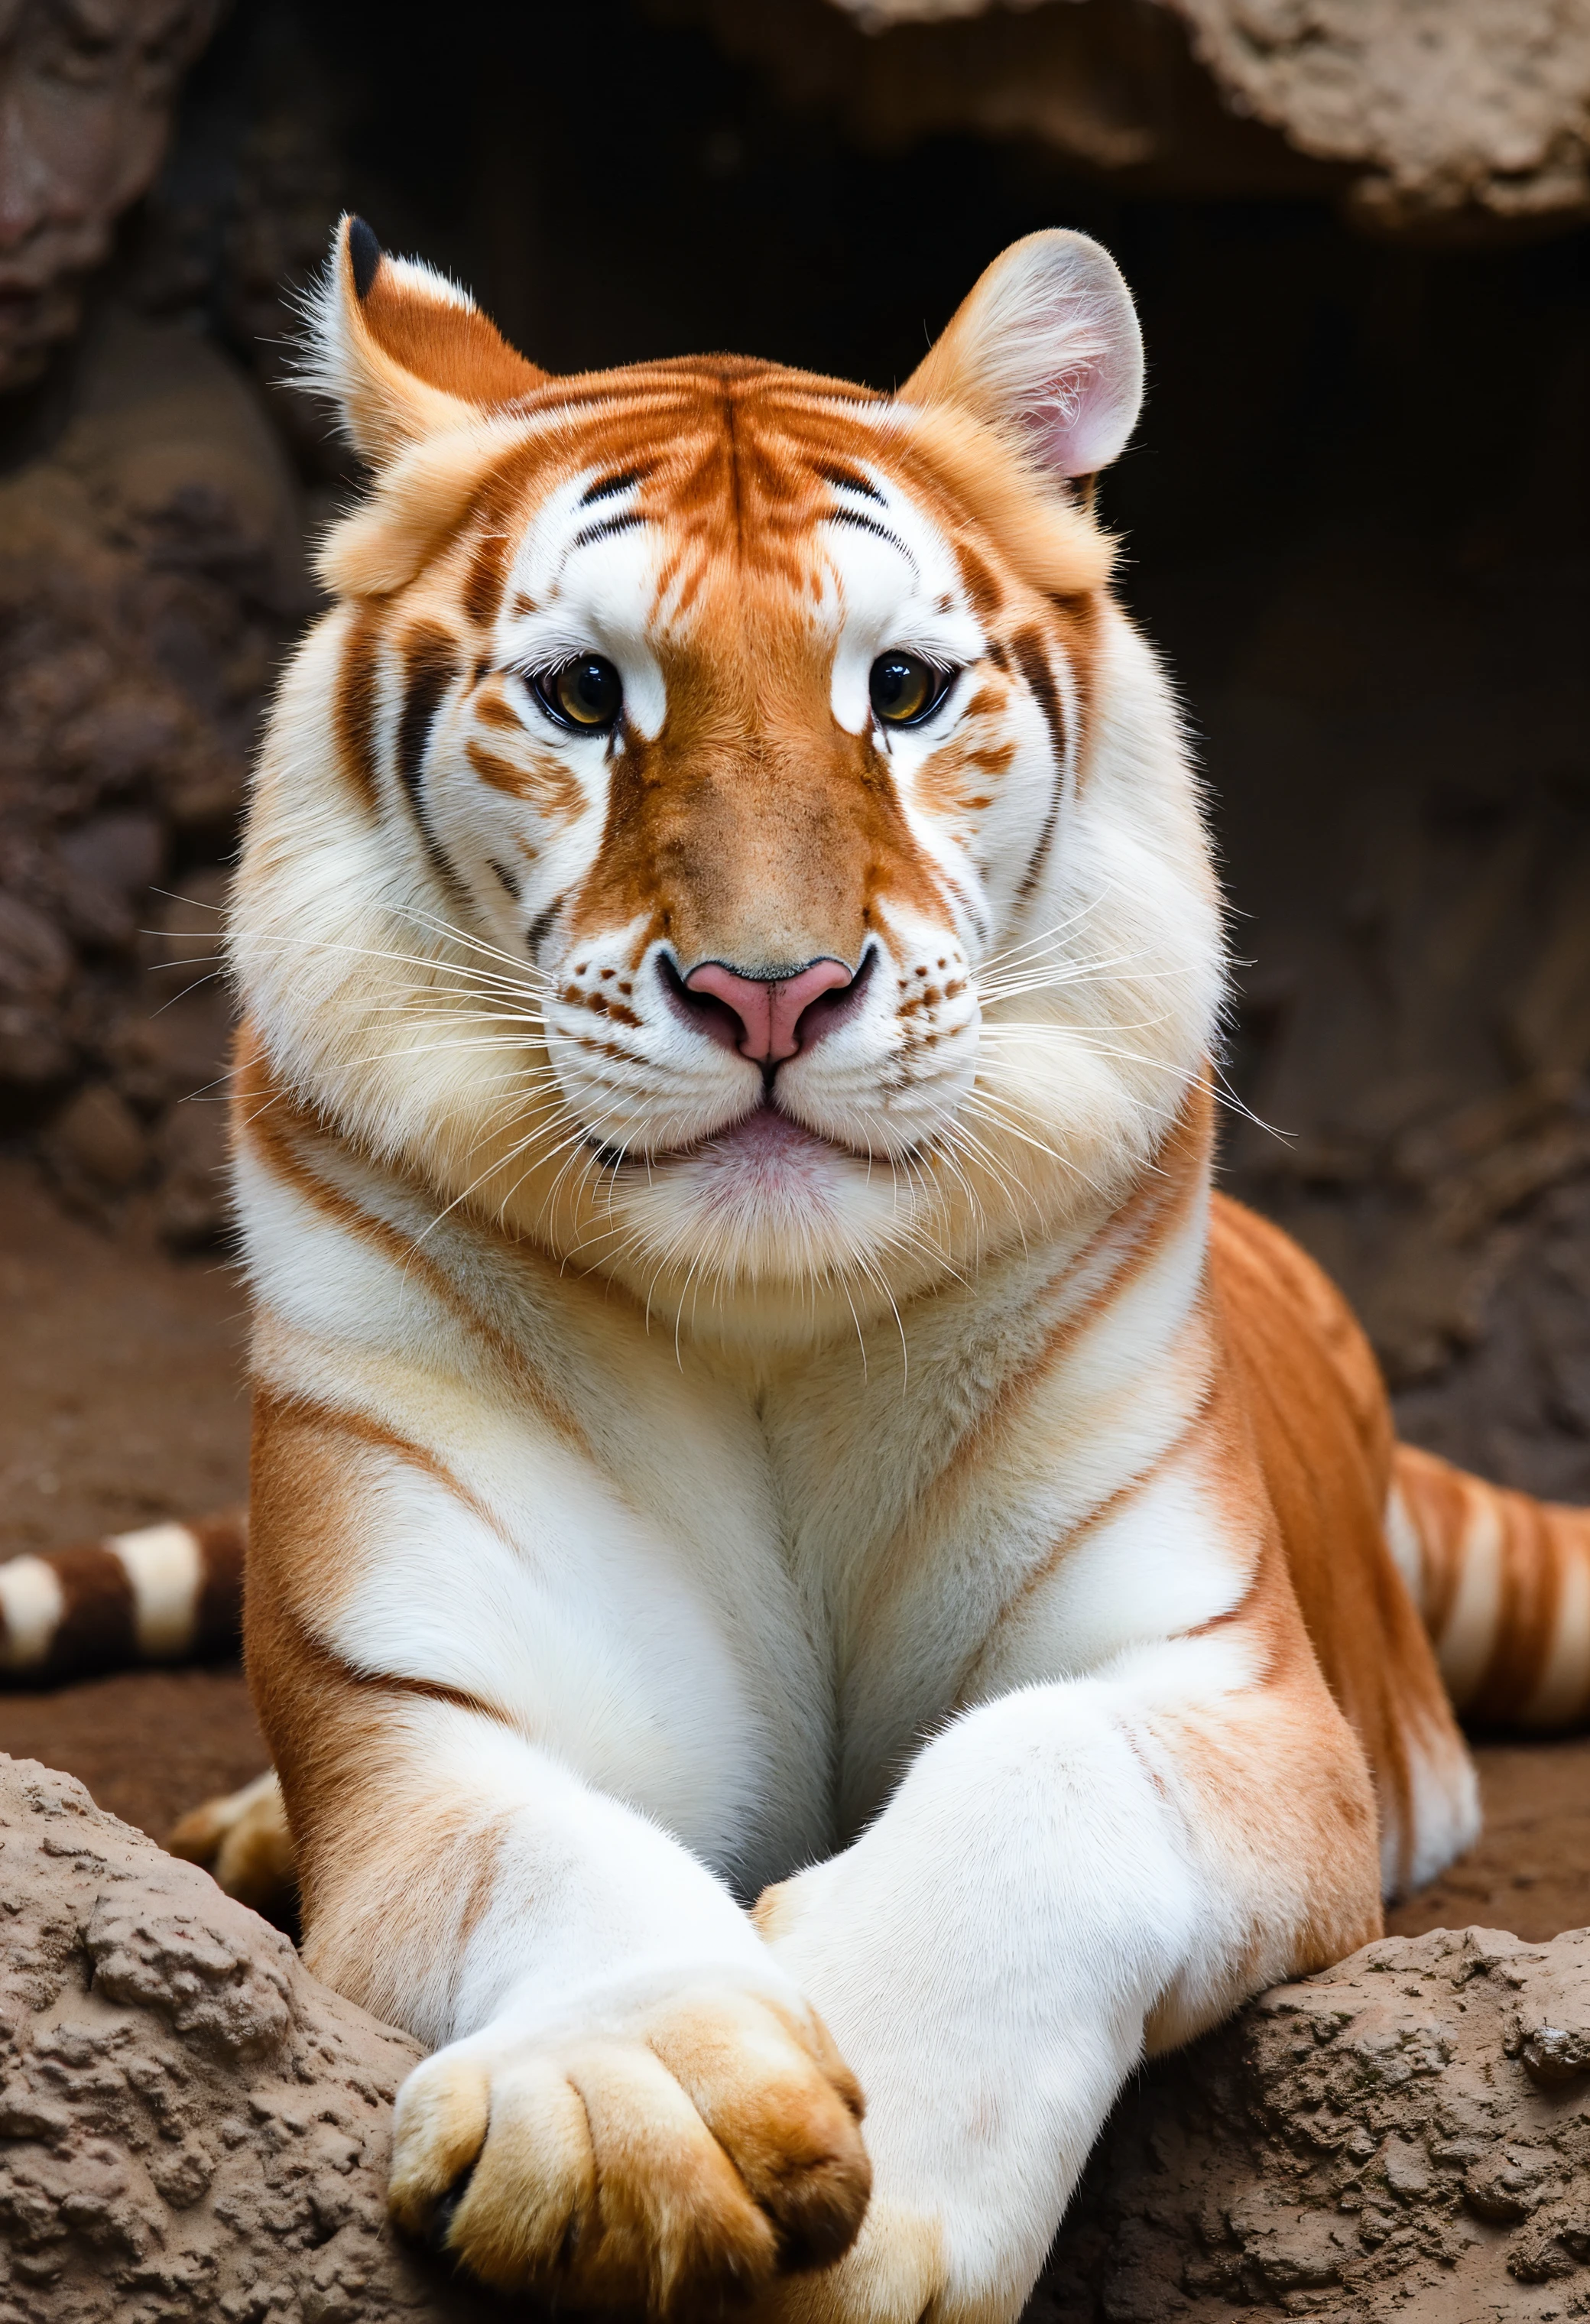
363	254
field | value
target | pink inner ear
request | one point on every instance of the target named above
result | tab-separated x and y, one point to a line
1069	351
1078	421
1084	415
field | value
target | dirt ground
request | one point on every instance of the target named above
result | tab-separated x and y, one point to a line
121	1400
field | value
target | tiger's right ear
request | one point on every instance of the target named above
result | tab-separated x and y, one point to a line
399	350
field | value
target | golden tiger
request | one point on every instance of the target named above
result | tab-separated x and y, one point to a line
813	1592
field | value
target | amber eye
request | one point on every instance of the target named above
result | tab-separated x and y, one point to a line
586	693
905	689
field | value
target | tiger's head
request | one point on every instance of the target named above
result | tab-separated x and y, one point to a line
724	829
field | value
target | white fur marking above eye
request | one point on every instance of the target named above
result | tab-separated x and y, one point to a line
592	595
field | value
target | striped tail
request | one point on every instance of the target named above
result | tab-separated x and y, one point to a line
170	1593
1502	1583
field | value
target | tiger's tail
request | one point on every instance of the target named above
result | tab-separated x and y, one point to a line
1502	1583
168	1593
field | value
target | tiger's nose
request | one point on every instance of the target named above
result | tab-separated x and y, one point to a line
771	1011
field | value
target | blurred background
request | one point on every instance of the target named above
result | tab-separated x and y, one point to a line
1357	519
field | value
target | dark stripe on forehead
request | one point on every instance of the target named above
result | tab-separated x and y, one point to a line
1031	659
988	598
499	512
354	713
606	488
844	481
862	522
431	663
609	526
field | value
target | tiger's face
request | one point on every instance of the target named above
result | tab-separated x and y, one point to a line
715	744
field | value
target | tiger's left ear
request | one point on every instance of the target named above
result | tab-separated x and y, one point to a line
1046	346
399	350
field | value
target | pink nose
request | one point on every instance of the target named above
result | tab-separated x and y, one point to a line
769	1009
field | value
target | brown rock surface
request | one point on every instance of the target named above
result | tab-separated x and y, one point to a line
190	2125
86	98
1444	106
1444	113
1406	2134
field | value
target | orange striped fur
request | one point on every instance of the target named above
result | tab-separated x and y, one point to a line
1503	1582
813	1592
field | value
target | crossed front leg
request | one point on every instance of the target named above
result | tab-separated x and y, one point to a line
637	2109
1066	1879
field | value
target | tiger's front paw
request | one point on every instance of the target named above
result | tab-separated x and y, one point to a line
677	2158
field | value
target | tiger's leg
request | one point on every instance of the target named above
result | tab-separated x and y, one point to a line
630	2103
1065	1876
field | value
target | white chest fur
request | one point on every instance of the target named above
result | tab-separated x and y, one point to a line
737	1602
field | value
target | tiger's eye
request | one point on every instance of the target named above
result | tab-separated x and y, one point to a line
586	692
904	687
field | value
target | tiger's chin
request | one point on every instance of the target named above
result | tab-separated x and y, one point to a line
764	1199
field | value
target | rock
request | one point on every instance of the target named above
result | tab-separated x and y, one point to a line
35	1050
178	1049
35	959
1447	115
97	1138
1442	107
1407	2133
150	566
87	128
193	1205
1105	86
191	922
190	2127
108	863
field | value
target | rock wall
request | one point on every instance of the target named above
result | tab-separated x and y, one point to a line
150	566
1444	110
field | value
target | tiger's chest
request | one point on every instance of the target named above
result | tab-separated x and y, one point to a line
858	1524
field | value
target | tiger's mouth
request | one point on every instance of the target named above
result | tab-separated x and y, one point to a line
767	1142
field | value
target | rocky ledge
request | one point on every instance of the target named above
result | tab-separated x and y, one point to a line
190	2127
1406	2134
